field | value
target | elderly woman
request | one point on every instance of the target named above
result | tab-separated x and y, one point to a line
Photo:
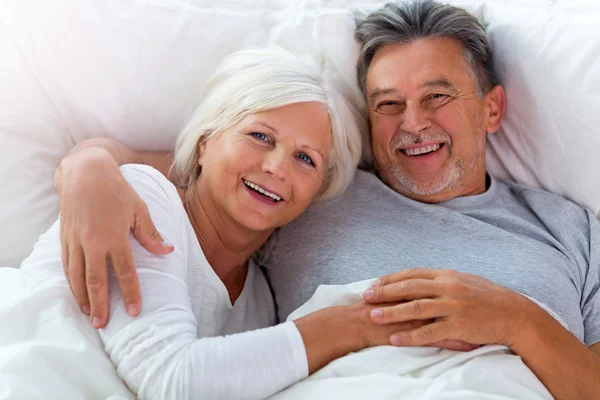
271	136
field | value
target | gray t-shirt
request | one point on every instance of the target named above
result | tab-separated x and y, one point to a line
525	239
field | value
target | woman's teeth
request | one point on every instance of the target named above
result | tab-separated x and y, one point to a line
261	190
422	150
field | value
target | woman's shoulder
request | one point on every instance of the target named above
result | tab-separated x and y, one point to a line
150	184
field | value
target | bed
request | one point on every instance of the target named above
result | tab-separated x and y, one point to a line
133	70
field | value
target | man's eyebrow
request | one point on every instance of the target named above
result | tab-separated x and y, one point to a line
439	82
380	92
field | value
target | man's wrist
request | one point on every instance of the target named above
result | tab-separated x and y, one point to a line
529	328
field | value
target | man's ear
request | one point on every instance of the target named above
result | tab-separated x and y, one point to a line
495	105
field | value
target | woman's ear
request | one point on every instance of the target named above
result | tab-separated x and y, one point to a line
202	148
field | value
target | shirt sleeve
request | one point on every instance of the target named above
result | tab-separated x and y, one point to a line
591	288
158	353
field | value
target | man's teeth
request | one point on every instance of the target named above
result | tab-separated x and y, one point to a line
422	150
261	190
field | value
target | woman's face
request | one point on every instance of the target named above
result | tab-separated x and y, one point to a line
265	171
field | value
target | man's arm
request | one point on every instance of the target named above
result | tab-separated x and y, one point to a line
98	211
568	368
120	153
469	308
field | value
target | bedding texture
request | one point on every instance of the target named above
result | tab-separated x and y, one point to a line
32	360
404	373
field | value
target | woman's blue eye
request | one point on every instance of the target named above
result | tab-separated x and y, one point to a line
261	136
304	158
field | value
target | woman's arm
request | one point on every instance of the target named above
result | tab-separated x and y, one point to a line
159	355
98	211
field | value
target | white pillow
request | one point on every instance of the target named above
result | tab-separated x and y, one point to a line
548	60
128	70
133	70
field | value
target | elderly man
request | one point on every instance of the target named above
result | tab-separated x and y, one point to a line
483	260
484	246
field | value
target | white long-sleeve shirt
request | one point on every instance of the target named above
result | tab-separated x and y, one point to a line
176	348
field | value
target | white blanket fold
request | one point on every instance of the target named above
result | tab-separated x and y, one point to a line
49	350
388	372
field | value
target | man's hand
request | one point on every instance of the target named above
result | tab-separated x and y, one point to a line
98	210
463	308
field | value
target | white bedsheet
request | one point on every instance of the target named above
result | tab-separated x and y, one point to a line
43	335
48	349
387	372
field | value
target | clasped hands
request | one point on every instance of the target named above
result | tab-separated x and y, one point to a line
458	311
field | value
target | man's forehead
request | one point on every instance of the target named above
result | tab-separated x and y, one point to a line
418	65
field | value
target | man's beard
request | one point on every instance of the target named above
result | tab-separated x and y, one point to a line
405	184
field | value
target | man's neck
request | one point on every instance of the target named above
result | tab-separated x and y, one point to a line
226	245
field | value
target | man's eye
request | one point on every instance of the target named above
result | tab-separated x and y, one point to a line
261	136
306	159
388	107
438	96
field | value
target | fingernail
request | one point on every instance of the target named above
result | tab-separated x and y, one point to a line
376	283
166	243
96	322
86	309
377	313
132	310
368	293
395	340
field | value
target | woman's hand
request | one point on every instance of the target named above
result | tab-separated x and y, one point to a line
98	210
463	308
333	332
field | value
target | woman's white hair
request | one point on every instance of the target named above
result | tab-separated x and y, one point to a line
255	80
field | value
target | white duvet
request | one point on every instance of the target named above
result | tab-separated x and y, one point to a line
49	350
388	372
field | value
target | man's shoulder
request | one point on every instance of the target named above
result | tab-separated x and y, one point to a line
364	188
547	205
538	196
354	202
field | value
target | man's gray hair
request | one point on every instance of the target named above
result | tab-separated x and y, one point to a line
405	22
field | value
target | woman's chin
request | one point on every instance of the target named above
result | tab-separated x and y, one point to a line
259	223
261	220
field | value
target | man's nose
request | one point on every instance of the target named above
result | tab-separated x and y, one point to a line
415	119
276	164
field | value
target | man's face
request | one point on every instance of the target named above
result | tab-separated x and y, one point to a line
428	122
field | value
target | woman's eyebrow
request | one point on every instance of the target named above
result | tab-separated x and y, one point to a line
305	146
267	126
302	146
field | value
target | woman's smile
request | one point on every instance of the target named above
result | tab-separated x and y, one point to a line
262	194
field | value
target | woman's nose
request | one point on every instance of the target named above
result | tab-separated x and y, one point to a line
276	164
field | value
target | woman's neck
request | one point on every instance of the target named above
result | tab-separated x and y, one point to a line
226	245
